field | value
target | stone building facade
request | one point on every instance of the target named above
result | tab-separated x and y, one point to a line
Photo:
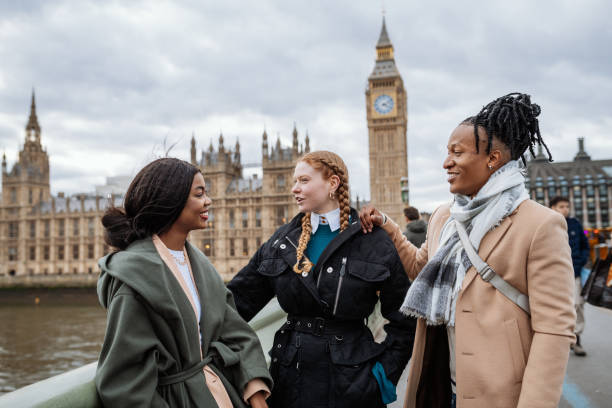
586	182
41	234
387	116
245	211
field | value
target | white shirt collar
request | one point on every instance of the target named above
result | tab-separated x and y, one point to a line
332	218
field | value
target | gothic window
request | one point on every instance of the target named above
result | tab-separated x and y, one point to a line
207	246
281	214
245	247
13	195
232	248
12	254
258	242
13	230
32	251
60	253
211	219
390	142
30	198
61	225
90	251
245	218
232	220
280	182
75	227
75	251
32	229
258	217
46	252
90	226
47	224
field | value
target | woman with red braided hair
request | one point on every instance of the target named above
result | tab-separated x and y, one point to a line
328	275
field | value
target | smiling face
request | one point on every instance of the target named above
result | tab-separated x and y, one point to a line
195	213
311	190
467	170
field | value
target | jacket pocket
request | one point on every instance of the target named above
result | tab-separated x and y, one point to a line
354	383
272	267
368	271
513	338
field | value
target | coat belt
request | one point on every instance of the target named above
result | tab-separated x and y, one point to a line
218	353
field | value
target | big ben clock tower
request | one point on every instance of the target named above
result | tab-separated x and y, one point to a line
387	116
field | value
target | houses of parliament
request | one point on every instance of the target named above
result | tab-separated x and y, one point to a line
42	235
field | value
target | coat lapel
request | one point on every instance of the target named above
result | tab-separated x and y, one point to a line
488	243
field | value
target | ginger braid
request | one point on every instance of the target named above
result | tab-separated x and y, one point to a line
330	164
302	260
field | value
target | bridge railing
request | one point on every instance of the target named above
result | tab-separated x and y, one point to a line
76	388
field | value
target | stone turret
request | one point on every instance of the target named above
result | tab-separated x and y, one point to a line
264	144
193	150
295	139
582	154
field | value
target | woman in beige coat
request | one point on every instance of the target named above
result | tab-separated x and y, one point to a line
474	347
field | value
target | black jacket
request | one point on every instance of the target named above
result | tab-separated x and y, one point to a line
330	370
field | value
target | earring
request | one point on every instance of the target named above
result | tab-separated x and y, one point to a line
490	167
331	195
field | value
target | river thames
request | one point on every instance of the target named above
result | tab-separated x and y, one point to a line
63	331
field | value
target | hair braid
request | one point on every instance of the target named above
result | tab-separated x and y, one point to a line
330	164
306	265
513	120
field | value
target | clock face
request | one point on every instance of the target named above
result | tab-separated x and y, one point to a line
383	104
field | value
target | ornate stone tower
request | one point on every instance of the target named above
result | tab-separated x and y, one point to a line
387	115
28	182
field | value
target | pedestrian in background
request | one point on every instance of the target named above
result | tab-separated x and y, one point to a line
499	336
416	228
579	245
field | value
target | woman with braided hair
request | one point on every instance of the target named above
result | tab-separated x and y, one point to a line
492	285
328	276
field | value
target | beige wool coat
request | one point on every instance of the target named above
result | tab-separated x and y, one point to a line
504	358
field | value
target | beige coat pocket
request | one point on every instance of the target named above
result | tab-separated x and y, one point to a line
513	338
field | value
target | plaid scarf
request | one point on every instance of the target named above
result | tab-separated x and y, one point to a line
433	294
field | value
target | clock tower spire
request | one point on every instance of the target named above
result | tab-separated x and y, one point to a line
387	116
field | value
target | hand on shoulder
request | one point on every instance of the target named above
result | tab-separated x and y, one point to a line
370	217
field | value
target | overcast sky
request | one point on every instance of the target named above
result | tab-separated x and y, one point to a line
114	80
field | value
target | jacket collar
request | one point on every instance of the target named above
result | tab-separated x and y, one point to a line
332	218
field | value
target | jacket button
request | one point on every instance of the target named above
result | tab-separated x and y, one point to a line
283	246
304	274
278	346
275	359
330	269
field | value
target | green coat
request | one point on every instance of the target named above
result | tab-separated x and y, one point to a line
152	341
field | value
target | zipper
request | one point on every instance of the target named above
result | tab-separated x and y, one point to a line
342	271
291	242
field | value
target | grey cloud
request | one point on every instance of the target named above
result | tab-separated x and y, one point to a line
118	77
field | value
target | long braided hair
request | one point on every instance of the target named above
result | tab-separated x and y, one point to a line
512	119
329	164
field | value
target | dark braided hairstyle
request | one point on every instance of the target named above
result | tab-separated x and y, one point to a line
513	120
